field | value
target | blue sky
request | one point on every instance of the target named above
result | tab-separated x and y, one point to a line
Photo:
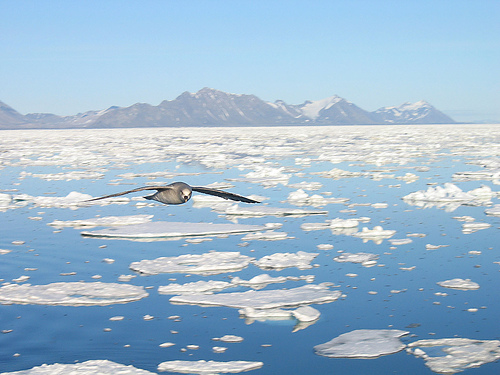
66	57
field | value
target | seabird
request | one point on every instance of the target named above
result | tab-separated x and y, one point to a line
179	193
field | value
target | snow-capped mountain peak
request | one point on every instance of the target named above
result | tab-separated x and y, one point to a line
312	109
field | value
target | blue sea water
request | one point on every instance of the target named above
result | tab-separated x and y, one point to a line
37	334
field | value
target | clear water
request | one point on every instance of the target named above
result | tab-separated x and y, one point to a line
59	334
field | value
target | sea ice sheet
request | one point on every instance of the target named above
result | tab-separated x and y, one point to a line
208	367
279	261
92	367
366	259
164	229
103	221
71	293
236	210
450	197
457	354
462	284
363	343
210	263
264	299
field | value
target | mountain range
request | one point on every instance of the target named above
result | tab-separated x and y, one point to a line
210	107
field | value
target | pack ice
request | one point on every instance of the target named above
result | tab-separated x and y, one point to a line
264	299
210	263
363	343
208	367
92	367
71	293
450	197
455	354
172	230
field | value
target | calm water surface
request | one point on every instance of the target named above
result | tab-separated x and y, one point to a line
37	334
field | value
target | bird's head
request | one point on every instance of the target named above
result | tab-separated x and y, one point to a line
186	194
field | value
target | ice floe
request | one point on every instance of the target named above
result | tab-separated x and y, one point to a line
172	230
462	284
92	367
210	263
337	225
208	367
493	211
452	355
228	338
278	261
450	197
474	227
305	316
366	259
301	198
73	200
264	299
266	236
71	293
377	234
103	221
363	343
263	280
201	286
236	210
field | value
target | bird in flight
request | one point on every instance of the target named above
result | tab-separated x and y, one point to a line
179	193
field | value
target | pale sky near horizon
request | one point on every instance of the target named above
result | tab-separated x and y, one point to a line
65	56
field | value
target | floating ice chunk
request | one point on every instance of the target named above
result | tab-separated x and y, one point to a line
366	259
266	236
125	278
4	251
261	281
461	284
71	293
468	228
325	246
398	242
166	345
93	367
279	261
306	185
164	229
250	314
434	247
457	354
377	234
337	173
68	176
210	263
379	205
306	314
208	367
219	349
263	299
493	211
464	218
236	210
336	224
103	221
73	200
301	198
229	338
450	197
363	343
201	286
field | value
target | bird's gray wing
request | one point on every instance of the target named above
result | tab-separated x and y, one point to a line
158	188
222	194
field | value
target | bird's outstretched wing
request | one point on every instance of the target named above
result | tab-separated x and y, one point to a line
158	188
222	194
